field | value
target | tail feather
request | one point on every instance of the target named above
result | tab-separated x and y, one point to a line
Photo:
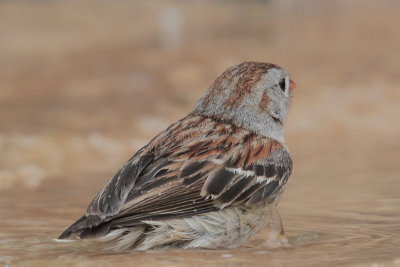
76	227
86	226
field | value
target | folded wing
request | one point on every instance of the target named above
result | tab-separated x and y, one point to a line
194	172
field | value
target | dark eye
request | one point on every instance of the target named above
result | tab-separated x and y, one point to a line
282	85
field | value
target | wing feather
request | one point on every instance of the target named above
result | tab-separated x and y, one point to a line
190	170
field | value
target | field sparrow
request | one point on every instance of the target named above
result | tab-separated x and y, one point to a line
211	180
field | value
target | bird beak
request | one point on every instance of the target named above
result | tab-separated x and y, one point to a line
292	85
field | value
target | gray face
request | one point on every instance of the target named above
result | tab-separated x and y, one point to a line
251	95
276	83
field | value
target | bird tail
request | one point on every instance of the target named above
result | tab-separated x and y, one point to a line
76	228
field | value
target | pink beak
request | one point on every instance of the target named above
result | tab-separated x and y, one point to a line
292	85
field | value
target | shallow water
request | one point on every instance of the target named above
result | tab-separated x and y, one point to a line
351	219
81	91
353	232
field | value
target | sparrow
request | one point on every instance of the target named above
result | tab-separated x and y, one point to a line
210	180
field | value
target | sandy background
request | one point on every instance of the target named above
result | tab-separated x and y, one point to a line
84	84
80	80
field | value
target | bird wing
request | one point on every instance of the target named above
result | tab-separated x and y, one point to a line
188	171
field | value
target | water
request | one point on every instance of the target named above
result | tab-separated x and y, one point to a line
318	239
352	220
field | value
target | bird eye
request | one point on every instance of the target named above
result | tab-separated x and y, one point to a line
282	84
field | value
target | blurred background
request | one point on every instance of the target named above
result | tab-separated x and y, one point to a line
84	84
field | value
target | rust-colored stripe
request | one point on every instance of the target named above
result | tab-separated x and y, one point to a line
249	74
264	101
